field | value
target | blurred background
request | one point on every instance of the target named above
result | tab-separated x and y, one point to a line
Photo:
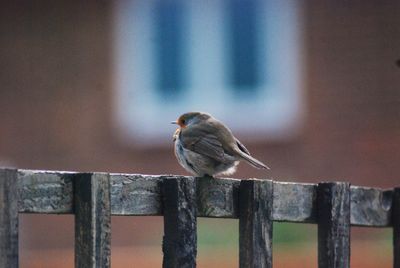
311	88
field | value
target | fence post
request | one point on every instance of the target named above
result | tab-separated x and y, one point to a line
255	223
8	218
180	238
333	201
92	220
396	227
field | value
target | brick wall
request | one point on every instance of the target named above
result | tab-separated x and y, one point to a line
56	94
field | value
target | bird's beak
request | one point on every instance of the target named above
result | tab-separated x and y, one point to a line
174	122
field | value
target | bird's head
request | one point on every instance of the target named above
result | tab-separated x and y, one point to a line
190	118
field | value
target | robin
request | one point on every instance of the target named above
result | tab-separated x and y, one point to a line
205	146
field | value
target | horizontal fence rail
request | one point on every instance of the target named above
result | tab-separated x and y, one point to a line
95	197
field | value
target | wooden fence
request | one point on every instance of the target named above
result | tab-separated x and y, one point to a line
94	197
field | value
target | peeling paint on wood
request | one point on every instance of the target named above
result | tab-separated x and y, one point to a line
45	192
370	206
8	218
255	223
136	194
333	224
217	197
180	224
295	202
94	197
92	220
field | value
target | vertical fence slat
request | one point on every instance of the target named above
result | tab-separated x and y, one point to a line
180	223
92	220
255	223
396	227
8	218
333	201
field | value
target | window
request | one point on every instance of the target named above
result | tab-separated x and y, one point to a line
239	60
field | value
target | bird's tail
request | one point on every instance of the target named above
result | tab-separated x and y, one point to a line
252	161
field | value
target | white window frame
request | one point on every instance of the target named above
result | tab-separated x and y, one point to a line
276	113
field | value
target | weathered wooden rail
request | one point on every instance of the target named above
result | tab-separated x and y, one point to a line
94	197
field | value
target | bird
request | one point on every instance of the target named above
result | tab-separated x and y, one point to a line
204	146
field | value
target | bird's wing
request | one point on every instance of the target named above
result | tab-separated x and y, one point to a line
242	147
244	153
204	144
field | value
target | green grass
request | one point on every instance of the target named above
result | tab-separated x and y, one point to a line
217	232
294	233
225	233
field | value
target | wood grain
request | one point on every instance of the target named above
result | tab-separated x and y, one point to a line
333	224
92	220
255	224
8	218
136	194
180	223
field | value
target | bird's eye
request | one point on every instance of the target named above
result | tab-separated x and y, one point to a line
183	121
